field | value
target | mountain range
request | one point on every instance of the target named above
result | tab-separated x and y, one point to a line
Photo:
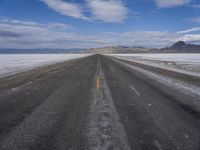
182	47
178	47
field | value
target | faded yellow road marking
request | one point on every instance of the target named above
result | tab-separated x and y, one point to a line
98	83
98	65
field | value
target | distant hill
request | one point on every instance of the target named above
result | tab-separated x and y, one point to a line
118	49
178	47
104	50
182	47
41	51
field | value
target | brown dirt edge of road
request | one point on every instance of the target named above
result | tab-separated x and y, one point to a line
24	77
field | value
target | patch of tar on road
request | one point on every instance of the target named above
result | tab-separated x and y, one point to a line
105	130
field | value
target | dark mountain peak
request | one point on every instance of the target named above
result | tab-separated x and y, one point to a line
178	44
182	47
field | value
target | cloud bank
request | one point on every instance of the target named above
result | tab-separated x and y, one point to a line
26	34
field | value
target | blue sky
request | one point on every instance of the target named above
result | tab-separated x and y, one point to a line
96	23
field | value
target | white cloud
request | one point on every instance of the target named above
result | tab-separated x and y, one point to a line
27	34
66	8
108	10
14	21
190	38
195	5
59	26
189	30
197	19
103	10
170	3
24	34
148	38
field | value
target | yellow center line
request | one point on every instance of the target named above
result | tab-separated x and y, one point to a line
98	83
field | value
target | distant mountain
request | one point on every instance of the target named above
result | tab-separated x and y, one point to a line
178	47
179	44
118	49
104	50
41	51
182	47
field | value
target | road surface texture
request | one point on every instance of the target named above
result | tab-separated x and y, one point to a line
98	103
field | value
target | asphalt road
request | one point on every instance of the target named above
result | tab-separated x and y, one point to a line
95	103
